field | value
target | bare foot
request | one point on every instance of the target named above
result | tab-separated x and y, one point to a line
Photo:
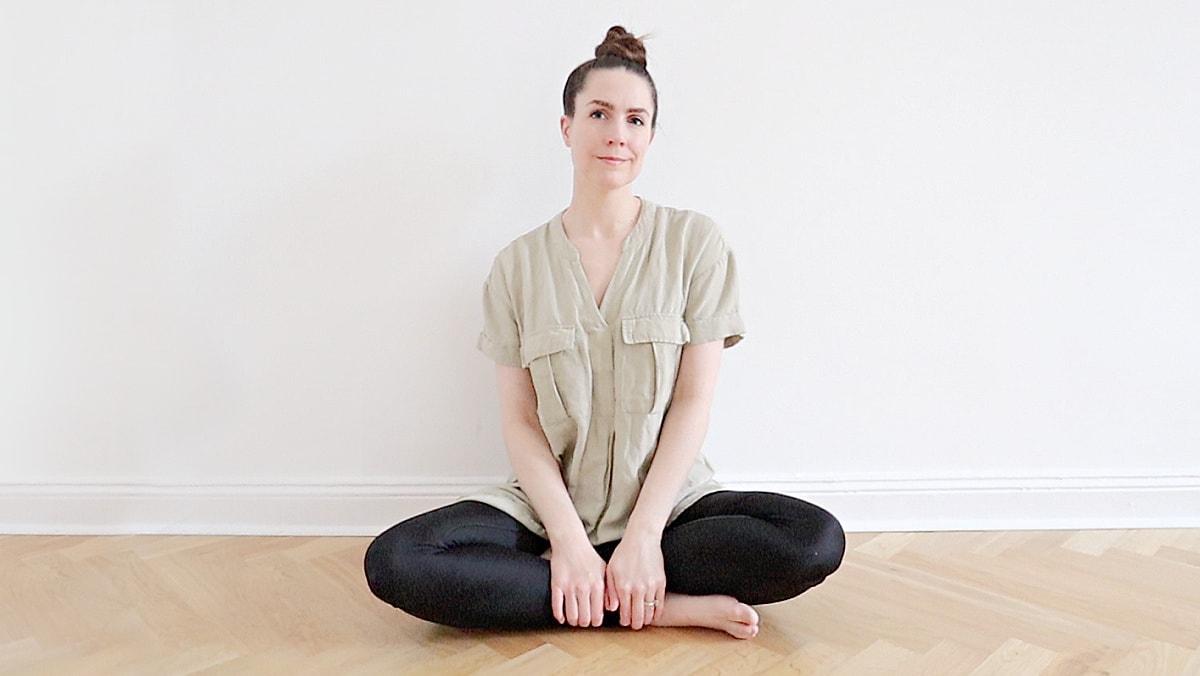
715	612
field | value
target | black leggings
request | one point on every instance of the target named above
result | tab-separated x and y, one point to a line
472	566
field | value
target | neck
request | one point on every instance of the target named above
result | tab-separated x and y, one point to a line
602	215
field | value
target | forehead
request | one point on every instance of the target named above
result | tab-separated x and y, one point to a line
619	87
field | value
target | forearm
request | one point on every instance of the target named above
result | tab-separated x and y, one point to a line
532	460
541	478
576	570
683	432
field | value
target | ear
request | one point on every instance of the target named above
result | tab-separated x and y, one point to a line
564	125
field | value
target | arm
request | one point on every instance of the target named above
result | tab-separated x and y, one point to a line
635	571
683	432
576	571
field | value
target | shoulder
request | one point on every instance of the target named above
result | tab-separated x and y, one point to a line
692	234
517	255
685	222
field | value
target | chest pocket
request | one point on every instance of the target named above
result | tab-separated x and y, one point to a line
549	355
647	361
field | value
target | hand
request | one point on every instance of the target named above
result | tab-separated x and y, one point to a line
577	585
635	578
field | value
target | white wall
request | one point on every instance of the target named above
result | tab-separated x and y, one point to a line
241	248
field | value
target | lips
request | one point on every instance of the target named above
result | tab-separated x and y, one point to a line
612	160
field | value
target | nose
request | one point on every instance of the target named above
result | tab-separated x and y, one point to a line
616	137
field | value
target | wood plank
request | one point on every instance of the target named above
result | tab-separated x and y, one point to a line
1053	602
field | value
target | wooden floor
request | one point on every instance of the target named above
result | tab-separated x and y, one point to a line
1091	602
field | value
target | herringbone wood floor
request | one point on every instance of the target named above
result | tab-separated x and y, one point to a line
1091	602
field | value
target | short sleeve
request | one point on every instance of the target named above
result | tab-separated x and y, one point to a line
500	339
712	304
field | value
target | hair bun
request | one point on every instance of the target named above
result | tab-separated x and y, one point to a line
623	45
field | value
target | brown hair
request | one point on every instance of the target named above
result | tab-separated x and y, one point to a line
620	49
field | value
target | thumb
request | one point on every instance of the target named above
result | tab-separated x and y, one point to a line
611	602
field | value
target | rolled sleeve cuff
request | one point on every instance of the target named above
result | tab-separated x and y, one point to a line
727	327
508	355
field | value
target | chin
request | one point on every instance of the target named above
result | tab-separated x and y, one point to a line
612	182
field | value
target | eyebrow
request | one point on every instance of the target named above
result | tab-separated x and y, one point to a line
608	106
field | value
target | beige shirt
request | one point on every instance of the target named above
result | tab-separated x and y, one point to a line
604	375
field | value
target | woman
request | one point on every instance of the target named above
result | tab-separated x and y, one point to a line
607	325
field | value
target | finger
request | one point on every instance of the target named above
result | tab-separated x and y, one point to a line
583	601
626	602
571	610
597	605
647	597
611	600
660	597
638	610
556	604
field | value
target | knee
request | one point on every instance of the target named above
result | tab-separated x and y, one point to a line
388	564
376	565
807	555
829	546
817	551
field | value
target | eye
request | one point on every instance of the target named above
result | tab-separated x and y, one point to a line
597	114
637	121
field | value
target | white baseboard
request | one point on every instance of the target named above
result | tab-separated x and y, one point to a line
999	503
354	508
